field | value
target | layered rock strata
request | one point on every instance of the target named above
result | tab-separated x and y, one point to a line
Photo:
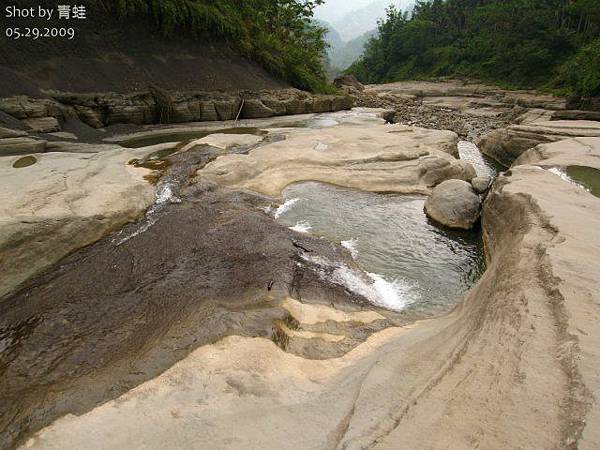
104	109
507	144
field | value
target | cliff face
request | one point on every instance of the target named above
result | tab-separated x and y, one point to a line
122	56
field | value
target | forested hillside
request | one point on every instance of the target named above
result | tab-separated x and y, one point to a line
521	43
277	34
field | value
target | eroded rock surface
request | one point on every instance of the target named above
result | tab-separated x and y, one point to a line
102	109
374	158
525	339
507	144
21	146
474	92
454	204
61	203
136	301
162	337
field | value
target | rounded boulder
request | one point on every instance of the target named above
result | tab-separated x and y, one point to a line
454	204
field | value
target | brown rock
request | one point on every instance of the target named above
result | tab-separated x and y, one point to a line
43	124
254	109
21	146
349	80
8	133
90	116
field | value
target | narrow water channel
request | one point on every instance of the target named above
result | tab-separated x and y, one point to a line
484	166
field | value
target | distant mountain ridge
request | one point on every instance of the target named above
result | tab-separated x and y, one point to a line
353	19
342	54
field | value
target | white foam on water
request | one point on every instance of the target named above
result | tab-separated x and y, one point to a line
164	195
350	244
324	123
395	295
285	207
556	171
301	227
321	147
563	175
469	152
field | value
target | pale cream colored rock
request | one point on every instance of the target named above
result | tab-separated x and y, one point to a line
61	203
224	141
457	88
481	184
313	314
367	156
450	88
577	151
515	365
534	115
507	144
354	116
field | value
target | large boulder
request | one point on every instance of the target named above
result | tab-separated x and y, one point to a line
454	203
348	81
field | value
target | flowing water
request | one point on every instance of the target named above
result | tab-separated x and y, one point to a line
409	262
484	166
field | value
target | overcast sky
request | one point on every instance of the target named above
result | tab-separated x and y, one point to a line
334	10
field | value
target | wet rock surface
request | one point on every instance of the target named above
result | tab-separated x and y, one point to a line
526	331
124	309
205	262
207	310
61	203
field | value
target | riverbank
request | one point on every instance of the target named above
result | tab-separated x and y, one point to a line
523	342
208	309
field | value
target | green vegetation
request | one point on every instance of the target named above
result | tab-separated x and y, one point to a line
278	34
522	43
